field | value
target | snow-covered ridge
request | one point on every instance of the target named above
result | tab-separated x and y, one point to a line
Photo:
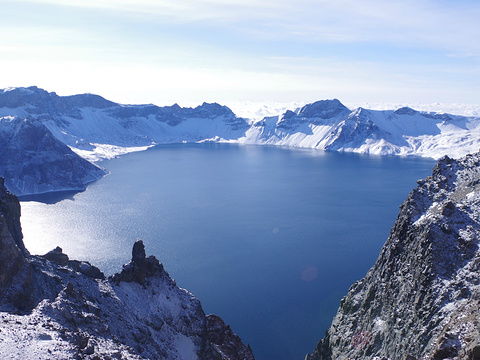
404	131
86	122
95	128
257	110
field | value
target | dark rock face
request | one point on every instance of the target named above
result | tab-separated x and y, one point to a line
225	342
10	211
12	249
32	160
52	307
16	280
421	299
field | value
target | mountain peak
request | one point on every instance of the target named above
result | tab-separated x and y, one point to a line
30	90
87	100
406	111
213	109
22	96
323	109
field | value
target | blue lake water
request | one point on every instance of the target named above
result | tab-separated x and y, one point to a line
268	238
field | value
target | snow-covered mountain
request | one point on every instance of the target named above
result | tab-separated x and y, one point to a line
329	125
96	128
52	307
32	160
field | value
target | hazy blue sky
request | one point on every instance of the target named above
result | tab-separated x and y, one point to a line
187	51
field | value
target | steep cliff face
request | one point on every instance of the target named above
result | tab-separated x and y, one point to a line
421	299
12	249
52	307
33	161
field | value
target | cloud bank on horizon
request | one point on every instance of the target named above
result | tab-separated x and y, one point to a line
188	51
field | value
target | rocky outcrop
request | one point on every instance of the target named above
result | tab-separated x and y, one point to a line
52	307
421	299
224	341
58	257
141	268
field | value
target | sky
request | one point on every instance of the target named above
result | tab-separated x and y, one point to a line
190	51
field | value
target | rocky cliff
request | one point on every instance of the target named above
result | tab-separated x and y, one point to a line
421	299
52	307
33	161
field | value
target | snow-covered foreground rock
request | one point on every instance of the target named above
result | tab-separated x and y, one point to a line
421	300
52	307
96	128
33	161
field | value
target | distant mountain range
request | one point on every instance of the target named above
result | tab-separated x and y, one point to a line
95	128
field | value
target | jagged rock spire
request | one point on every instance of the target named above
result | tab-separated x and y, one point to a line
140	268
138	252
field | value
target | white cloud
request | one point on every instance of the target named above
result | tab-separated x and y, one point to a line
442	25
139	69
268	79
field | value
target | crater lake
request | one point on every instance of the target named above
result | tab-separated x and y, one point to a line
268	238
